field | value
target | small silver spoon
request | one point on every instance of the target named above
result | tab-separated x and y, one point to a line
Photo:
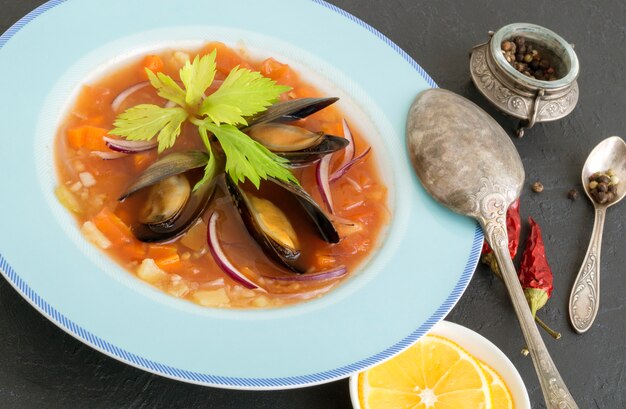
467	162
584	300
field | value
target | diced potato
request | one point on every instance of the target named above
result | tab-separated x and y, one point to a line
67	199
148	271
261	301
241	292
79	166
91	233
179	58
177	286
195	239
87	179
211	298
76	187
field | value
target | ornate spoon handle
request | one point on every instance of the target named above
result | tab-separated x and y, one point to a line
555	393
584	301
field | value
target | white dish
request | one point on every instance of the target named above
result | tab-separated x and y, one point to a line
481	348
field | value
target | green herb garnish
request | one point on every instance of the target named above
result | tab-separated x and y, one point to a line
242	94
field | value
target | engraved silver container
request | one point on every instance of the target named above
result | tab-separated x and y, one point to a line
518	95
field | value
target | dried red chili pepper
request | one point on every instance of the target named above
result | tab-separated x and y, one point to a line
535	274
513	229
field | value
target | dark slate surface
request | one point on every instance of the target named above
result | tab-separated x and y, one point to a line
42	367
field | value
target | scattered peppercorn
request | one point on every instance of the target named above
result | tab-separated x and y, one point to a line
527	59
537	187
572	194
603	186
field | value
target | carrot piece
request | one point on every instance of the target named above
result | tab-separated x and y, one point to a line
93	138
113	227
152	62
87	136
135	251
125	215
168	262
277	71
76	138
157	251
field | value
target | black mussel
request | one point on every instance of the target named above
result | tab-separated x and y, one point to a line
170	165
279	137
327	145
268	225
291	110
299	145
172	228
165	200
171	206
324	225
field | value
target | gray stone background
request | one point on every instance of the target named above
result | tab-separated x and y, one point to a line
42	367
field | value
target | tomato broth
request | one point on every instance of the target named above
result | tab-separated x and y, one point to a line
89	186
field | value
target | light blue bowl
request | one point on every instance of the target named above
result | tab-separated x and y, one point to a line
410	283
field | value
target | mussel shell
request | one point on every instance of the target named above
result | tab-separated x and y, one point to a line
291	110
278	137
328	144
283	255
166	200
324	225
176	226
170	165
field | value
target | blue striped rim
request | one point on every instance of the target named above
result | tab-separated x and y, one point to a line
259	383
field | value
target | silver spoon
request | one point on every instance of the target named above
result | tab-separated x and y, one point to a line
584	300
467	162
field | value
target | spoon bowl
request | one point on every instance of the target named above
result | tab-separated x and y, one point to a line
608	154
467	162
584	301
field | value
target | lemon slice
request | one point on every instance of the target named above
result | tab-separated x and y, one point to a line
434	373
500	393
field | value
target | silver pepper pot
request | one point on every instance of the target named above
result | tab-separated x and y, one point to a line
517	94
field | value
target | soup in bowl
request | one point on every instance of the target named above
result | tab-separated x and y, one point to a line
221	179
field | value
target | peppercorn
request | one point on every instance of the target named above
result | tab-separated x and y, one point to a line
537	187
603	186
527	59
572	194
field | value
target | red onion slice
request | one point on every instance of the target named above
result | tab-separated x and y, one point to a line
121	97
108	155
348	152
318	276
342	170
220	257
323	184
125	146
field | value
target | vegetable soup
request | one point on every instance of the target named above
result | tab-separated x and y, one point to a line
221	180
